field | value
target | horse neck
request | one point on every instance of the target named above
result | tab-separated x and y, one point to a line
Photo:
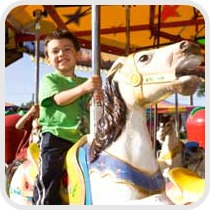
134	145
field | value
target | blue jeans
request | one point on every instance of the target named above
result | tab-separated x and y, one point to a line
47	183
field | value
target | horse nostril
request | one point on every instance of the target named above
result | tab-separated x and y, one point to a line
184	46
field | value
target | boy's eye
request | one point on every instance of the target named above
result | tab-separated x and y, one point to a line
65	49
55	51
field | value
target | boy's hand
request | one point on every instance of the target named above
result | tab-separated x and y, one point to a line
93	84
98	96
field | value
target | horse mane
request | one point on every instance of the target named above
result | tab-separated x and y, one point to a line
112	121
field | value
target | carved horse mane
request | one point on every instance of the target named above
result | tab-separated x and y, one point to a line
112	120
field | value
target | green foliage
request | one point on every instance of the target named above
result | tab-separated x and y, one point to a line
201	89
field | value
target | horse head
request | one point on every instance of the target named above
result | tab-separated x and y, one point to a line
141	79
165	127
147	77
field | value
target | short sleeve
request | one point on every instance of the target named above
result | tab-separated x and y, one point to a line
48	88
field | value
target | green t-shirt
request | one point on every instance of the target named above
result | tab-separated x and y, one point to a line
69	122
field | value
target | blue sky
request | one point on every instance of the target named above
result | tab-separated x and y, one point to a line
20	82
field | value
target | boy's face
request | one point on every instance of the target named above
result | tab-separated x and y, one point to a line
62	56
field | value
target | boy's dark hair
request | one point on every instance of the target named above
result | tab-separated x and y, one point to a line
60	35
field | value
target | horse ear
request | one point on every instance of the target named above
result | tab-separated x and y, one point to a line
118	64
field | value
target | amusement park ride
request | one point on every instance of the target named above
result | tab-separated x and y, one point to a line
117	164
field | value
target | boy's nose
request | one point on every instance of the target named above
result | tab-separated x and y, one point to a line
61	52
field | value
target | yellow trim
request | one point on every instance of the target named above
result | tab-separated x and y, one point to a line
171	154
188	186
33	152
76	188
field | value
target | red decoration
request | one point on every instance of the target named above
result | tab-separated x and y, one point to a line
195	126
169	11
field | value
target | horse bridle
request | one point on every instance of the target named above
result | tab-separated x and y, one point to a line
137	81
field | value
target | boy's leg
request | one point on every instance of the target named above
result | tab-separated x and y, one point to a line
53	152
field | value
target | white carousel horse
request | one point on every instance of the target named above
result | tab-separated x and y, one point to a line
175	153
120	166
170	154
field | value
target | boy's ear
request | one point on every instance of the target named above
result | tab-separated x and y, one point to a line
47	61
79	55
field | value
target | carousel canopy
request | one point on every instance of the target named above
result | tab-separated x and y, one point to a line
166	107
124	29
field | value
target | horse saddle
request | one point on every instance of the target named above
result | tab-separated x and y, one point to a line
185	186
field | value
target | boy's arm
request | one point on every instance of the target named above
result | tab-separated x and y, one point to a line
29	115
68	96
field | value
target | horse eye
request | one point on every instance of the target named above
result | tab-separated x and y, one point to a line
144	58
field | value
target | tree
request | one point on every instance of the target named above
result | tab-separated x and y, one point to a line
201	89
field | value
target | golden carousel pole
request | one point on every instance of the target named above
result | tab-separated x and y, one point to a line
127	16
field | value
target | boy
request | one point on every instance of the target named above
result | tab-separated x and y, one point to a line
63	99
